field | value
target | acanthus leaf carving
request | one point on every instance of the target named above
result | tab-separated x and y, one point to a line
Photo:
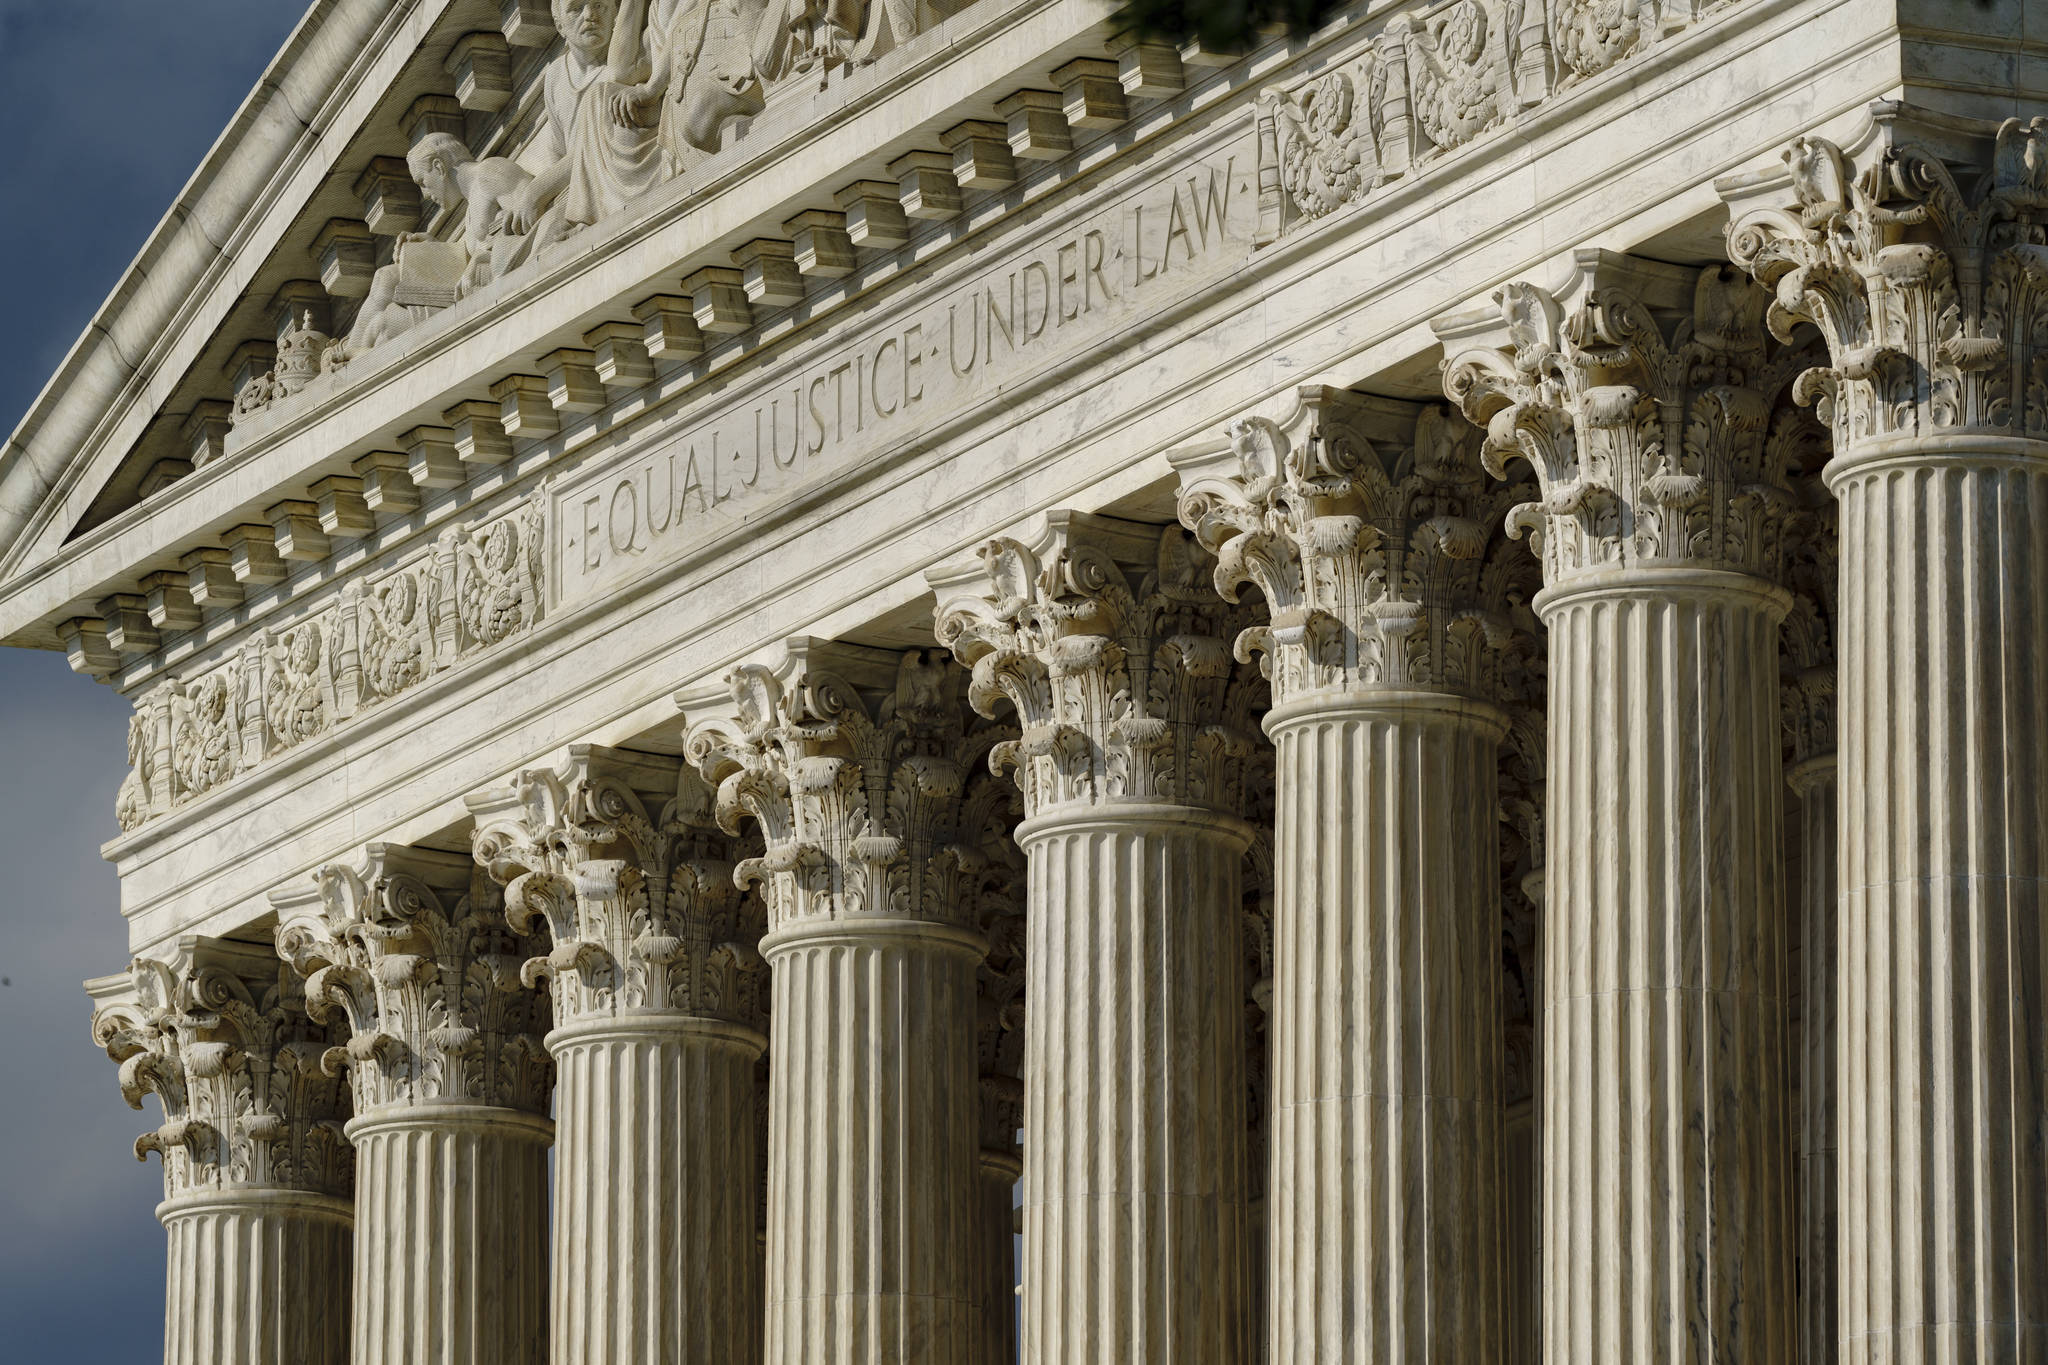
426	975
1380	563
643	911
1655	439
860	769
1932	300
225	1041
1118	663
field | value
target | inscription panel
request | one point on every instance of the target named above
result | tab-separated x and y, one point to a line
1168	235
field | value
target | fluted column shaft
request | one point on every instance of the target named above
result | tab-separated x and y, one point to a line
1665	1188
1818	895
256	1277
996	1257
872	1147
1521	1247
1134	1184
1944	847
1384	1203
656	1256
451	1259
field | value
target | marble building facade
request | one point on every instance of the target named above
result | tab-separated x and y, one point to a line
908	682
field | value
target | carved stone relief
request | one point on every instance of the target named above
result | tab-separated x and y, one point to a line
478	586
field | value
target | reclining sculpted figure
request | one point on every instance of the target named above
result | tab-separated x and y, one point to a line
426	276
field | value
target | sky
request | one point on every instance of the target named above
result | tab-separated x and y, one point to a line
109	106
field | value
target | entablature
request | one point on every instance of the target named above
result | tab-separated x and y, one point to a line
1342	296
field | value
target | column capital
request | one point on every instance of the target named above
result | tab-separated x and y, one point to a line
1655	411
415	953
1373	533
1116	652
222	1037
1919	260
620	856
860	767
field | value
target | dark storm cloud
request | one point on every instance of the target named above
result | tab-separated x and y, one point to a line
108	106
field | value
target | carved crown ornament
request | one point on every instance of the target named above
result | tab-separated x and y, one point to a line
868	781
635	889
1112	646
225	1042
1929	287
416	956
1658	435
1375	538
1434	78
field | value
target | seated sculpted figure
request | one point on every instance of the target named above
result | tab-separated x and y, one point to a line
602	151
426	276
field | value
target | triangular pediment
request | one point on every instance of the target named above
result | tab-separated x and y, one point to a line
403	172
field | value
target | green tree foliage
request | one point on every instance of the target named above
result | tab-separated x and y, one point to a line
1223	25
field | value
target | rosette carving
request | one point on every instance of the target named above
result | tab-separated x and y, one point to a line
1116	654
1657	439
1381	564
427	977
642	910
1932	298
225	1043
860	768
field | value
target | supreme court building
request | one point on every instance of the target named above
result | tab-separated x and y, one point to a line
890	682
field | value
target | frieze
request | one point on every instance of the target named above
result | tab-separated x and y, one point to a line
474	587
1432	79
832	413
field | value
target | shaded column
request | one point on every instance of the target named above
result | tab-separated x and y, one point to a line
859	767
656	981
1368	527
451	1090
257	1177
1135	727
1651	418
1808	688
1932	303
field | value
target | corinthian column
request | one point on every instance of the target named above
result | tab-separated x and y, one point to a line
1650	418
256	1174
857	767
657	991
1368	529
451	1099
1116	657
1932	303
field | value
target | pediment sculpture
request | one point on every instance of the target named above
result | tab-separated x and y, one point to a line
641	91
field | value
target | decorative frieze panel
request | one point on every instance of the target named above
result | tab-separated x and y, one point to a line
1434	78
475	587
237	1062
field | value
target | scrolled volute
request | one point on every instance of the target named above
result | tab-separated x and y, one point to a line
1109	640
1370	530
855	766
1658	436
224	1040
1932	298
417	956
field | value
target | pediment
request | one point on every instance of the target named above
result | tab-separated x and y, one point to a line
407	173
